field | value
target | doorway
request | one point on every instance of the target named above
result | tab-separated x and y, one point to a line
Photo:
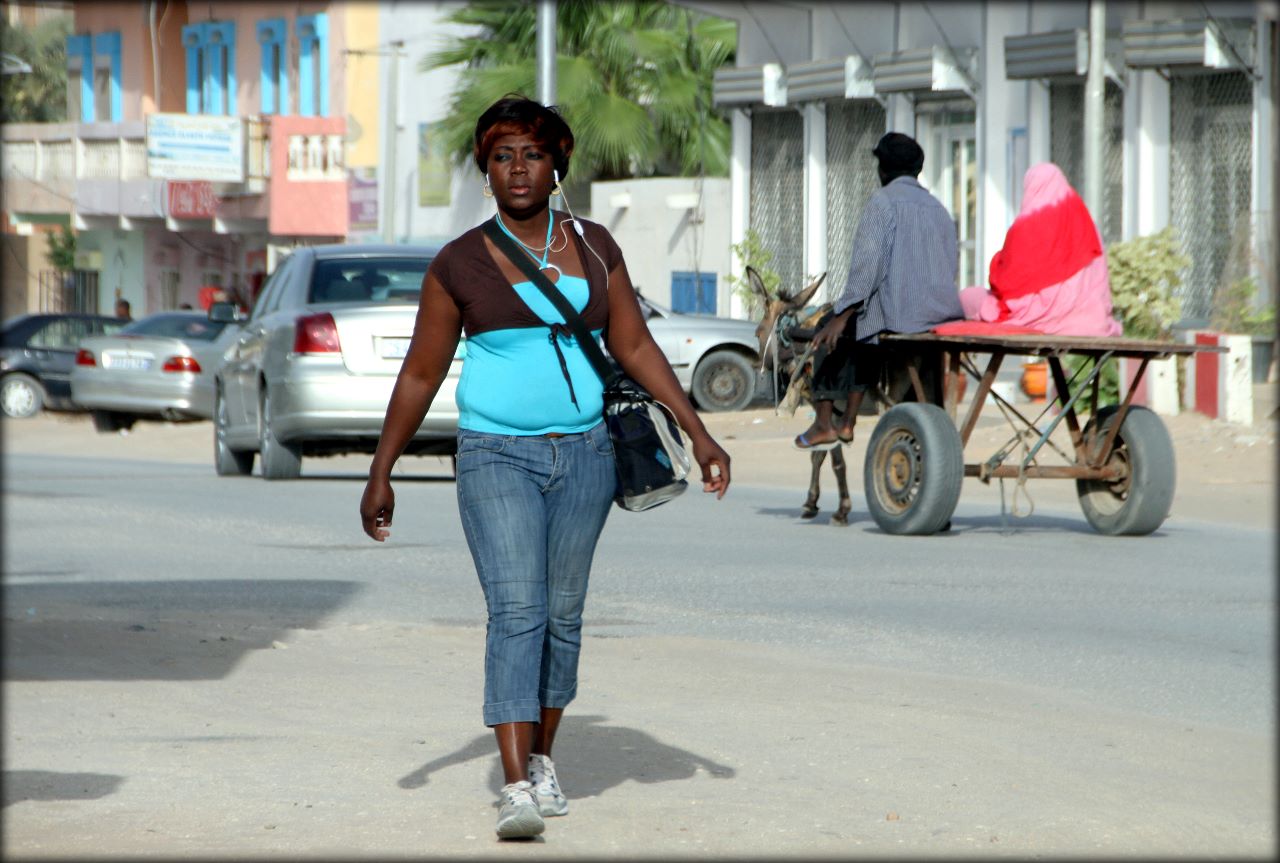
954	179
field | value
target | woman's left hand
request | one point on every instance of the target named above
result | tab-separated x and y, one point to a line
707	453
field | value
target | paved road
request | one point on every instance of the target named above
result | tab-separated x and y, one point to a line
1045	641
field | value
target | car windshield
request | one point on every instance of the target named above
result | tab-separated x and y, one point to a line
364	280
186	327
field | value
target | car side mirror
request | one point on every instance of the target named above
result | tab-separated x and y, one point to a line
225	313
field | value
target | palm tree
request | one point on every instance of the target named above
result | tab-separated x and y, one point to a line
38	95
633	79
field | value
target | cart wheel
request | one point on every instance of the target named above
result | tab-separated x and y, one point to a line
1138	502
913	469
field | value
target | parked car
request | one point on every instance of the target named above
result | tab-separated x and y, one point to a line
310	371
715	359
37	352
157	368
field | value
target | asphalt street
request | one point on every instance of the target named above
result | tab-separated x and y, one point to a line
1040	618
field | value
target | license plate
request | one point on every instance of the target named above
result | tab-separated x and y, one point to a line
393	348
135	364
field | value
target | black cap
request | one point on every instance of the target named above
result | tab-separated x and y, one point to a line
899	155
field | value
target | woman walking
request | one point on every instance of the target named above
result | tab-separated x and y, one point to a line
535	463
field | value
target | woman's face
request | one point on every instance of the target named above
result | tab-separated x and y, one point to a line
520	172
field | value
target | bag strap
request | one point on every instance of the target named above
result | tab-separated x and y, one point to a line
586	340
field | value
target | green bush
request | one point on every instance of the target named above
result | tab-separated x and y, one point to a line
1234	310
1144	273
752	253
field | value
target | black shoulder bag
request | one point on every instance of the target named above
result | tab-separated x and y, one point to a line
649	454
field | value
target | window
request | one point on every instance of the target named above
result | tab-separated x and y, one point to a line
170	284
363	280
272	37
107	104
80	78
60	335
693	293
313	65
211	67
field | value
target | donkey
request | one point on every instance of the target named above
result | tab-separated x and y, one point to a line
787	321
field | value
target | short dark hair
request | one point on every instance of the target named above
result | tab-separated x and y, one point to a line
519	115
899	155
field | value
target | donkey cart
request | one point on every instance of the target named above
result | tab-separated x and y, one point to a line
1122	459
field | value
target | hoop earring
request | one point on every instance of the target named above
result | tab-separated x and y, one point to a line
556	190
486	189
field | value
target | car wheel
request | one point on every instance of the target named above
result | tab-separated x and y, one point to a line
227	461
21	396
724	381
111	421
279	460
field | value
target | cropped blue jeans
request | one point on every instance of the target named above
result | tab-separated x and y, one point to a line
532	509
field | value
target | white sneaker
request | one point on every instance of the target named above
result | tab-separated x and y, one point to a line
546	790
518	816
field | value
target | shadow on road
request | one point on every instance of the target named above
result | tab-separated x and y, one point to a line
20	785
155	630
601	757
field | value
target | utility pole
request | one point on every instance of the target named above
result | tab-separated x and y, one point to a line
1095	90
392	108
546	51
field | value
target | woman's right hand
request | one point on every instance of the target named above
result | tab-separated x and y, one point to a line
376	507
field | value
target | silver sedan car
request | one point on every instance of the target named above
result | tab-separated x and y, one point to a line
310	371
715	359
157	368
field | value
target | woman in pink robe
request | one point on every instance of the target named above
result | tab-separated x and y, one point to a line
1051	275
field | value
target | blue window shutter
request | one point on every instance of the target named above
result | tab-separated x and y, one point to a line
313	64
707	293
693	293
108	44
82	47
305	27
683	299
226	32
322	60
271	35
193	41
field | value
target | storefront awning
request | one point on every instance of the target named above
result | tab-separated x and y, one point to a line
1057	54
839	78
1221	43
926	70
750	85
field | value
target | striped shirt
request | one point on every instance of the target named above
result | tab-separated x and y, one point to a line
904	264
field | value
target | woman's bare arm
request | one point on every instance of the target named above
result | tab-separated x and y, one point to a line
435	339
630	343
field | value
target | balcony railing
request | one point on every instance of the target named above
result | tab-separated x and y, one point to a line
56	153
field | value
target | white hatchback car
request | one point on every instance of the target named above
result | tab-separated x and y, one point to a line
312	368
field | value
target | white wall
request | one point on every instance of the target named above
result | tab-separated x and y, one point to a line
424	98
658	238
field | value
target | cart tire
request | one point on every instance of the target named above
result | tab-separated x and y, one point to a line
913	469
1138	504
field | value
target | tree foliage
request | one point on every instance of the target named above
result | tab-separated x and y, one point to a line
61	246
38	96
633	80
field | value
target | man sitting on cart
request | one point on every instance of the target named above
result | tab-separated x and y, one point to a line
902	279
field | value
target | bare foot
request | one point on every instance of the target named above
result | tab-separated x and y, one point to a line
816	437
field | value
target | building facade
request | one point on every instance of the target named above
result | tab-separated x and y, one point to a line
202	139
989	89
